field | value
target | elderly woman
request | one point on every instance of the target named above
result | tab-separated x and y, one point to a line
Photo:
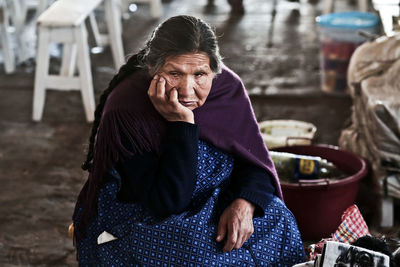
179	174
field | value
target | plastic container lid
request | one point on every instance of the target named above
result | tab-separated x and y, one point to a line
348	20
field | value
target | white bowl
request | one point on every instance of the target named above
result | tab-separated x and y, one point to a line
276	133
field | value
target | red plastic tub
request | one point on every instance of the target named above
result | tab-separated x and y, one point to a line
318	205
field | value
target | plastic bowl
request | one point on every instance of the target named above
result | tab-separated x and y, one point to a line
277	133
319	205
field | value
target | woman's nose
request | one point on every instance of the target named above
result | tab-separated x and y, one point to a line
186	86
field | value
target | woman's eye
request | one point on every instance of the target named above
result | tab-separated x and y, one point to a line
174	74
199	74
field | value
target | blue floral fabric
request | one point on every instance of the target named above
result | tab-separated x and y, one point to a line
188	239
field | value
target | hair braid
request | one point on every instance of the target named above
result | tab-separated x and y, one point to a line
128	68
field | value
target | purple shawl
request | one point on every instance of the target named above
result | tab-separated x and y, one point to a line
226	120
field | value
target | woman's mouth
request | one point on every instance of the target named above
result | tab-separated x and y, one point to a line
187	103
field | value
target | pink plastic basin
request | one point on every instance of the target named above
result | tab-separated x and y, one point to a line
318	205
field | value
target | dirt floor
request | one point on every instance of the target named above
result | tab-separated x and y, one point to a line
276	56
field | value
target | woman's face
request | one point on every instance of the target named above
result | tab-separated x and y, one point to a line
191	75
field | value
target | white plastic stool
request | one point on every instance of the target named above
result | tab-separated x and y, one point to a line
390	185
7	49
63	22
114	28
113	37
328	6
17	13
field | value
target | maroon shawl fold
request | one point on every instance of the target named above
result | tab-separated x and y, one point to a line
226	120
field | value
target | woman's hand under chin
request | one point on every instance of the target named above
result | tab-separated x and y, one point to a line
167	104
236	224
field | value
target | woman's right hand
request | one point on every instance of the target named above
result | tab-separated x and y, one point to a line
167	104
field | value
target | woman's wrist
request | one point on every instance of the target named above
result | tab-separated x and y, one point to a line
245	205
186	118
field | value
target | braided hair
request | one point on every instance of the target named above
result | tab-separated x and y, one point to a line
176	36
128	68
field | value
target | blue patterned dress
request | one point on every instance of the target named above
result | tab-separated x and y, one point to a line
188	239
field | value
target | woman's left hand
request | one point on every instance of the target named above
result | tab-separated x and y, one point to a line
236	224
167	104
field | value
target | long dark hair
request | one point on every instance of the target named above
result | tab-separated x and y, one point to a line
176	36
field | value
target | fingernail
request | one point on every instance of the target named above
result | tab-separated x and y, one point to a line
161	79
156	77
